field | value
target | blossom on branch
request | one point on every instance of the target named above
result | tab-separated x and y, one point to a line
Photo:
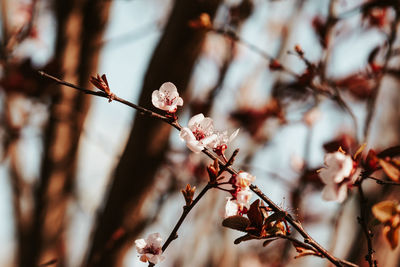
220	144
243	198
199	133
244	179
239	203
167	98
337	176
150	248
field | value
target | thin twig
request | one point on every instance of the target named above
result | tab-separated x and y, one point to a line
186	209
232	35
296	224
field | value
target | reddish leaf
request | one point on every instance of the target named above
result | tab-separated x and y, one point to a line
345	141
277	216
246	237
269	241
372	161
236	222
255	216
360	86
390	152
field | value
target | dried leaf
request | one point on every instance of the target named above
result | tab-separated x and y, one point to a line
236	222
304	250
390	169
392	236
384	210
278	228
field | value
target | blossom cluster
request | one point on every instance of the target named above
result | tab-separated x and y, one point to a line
198	135
339	173
239	202
200	132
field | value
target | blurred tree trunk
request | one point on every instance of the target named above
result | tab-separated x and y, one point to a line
80	28
173	60
384	133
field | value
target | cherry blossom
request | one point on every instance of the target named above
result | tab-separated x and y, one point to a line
199	133
220	144
167	98
244	179
243	198
150	248
337	176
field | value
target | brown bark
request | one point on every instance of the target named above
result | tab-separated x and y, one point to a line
173	60
80	28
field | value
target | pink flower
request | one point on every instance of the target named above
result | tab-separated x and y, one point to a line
244	179
220	144
337	176
150	248
167	98
243	198
199	133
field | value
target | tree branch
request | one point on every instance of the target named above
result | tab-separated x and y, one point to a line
296	224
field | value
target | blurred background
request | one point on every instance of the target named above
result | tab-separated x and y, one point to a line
81	178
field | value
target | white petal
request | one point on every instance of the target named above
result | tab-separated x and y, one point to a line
155	98
231	208
335	193
233	135
341	193
195	119
140	245
243	197
179	101
155	240
155	258
186	135
209	139
195	146
168	88
326	176
207	125
329	193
